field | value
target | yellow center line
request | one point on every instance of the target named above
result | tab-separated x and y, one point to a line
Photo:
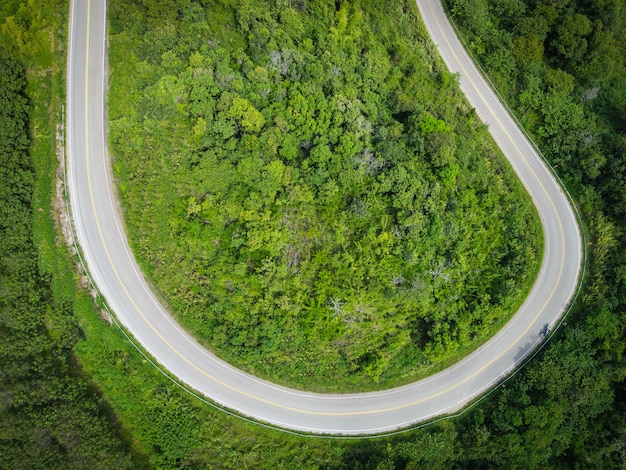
210	376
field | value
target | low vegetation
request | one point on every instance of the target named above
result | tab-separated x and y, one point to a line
309	191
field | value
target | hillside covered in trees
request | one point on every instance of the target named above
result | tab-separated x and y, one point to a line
566	409
309	190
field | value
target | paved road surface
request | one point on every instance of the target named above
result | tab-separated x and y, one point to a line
112	266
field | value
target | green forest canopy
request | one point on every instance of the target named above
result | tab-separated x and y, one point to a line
309	190
566	409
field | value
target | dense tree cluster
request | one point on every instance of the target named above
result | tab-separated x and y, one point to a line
561	65
309	190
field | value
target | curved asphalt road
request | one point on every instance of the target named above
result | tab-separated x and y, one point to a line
112	266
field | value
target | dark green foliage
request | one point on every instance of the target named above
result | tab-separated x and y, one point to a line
564	75
309	190
565	410
48	418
